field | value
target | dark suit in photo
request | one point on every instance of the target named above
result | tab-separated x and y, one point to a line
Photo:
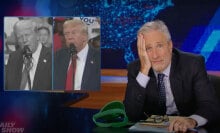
43	75
91	74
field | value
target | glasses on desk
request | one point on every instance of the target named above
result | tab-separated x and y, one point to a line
157	119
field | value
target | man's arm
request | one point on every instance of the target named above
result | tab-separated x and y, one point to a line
135	91
135	95
207	103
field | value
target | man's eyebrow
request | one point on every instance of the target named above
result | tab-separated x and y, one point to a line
159	42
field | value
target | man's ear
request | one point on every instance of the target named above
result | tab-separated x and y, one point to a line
85	38
170	43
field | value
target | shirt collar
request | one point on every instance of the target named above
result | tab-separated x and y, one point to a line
83	53
166	72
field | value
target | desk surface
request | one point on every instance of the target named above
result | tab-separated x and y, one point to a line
79	120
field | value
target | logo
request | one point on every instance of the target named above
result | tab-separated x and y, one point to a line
10	127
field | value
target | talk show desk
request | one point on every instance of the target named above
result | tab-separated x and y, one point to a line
40	112
79	120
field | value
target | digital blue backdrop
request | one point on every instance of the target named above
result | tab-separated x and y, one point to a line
194	24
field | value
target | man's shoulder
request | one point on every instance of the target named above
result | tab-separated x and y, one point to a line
16	54
46	49
94	50
94	53
61	51
134	64
186	56
184	62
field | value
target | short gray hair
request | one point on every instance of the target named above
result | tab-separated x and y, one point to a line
26	24
157	25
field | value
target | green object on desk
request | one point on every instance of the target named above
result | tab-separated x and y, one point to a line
111	115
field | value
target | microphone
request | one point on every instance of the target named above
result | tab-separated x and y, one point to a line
73	50
27	52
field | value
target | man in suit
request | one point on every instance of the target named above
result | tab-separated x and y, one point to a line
44	36
186	89
38	76
87	60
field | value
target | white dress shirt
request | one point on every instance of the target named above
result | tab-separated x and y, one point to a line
170	103
80	65
35	58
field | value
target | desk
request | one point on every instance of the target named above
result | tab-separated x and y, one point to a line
79	120
74	120
39	112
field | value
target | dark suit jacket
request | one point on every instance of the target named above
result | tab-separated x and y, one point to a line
91	74
43	75
193	93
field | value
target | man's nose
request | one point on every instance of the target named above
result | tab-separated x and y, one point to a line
155	53
24	39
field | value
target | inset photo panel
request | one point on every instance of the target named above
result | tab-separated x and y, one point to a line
28	53
77	54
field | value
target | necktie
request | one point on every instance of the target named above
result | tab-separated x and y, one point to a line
25	74
162	93
71	74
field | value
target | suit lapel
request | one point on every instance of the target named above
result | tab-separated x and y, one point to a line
176	81
153	93
42	62
90	62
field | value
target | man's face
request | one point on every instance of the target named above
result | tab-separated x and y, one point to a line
43	36
158	49
74	34
26	36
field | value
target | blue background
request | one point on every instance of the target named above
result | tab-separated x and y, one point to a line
194	24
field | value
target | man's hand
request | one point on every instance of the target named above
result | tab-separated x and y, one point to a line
145	62
181	124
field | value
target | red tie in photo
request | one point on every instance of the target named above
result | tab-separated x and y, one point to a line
71	74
